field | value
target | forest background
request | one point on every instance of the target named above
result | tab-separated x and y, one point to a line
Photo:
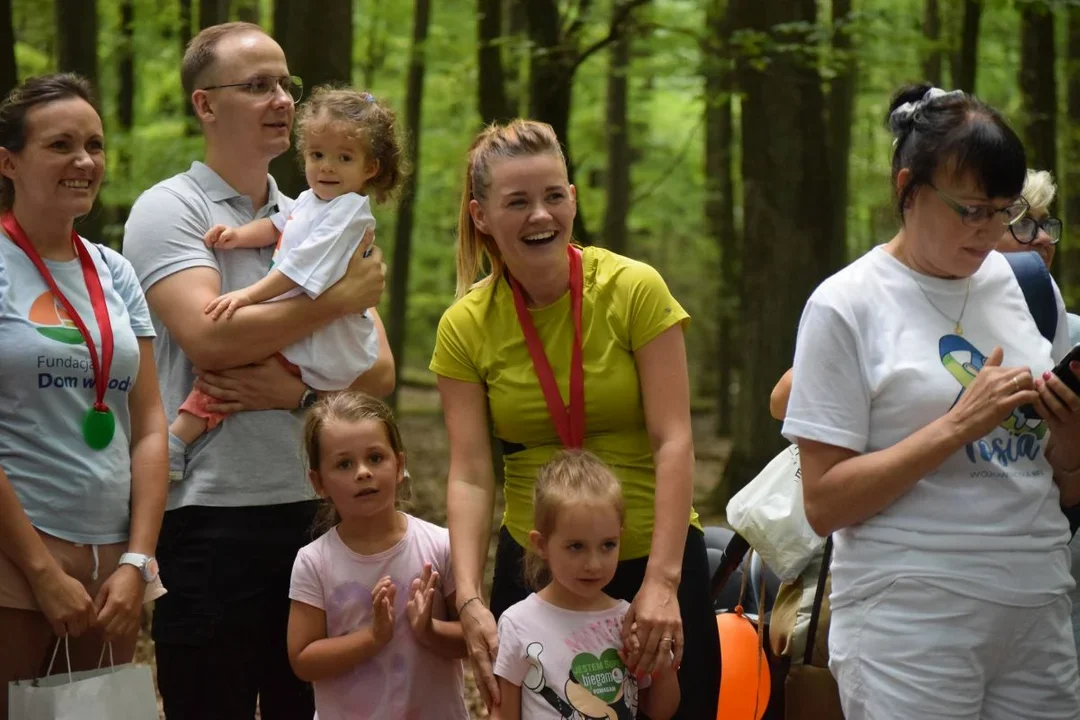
736	145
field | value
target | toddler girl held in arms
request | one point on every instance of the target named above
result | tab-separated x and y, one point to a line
561	650
350	150
372	622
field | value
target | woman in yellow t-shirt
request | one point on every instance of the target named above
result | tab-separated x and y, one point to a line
549	322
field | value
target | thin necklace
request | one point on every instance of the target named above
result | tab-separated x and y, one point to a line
958	329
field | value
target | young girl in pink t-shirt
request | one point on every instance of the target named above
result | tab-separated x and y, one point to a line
561	650
373	623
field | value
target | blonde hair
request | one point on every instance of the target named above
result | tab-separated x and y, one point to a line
571	477
1039	189
349	406
370	120
518	138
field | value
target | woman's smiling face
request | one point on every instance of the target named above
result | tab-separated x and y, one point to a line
528	211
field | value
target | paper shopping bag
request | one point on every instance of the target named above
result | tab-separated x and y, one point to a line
121	692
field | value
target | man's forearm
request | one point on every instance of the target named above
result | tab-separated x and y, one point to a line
252	334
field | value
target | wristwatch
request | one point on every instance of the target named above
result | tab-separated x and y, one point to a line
308	399
146	565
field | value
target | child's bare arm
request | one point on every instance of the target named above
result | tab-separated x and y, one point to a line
314	657
661	699
255	234
509	707
274	283
442	637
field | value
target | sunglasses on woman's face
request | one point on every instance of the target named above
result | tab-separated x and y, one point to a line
1026	229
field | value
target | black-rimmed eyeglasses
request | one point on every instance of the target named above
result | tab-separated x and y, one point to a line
1026	229
265	85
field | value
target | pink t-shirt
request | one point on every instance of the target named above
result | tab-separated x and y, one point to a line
566	662
404	681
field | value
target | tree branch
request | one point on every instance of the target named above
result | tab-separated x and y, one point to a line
618	20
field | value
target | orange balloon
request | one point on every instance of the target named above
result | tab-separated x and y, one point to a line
744	692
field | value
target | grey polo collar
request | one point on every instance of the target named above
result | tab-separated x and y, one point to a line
217	189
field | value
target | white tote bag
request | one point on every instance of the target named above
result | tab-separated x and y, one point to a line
121	692
768	513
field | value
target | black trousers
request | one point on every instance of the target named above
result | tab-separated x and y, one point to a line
220	632
699	676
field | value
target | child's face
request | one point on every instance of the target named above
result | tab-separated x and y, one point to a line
335	161
583	549
358	470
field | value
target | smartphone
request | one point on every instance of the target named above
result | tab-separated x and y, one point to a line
1062	370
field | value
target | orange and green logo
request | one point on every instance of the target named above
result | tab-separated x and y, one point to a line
53	321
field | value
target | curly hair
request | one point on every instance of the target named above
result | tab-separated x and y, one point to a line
370	119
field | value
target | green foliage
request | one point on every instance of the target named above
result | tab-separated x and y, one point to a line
666	220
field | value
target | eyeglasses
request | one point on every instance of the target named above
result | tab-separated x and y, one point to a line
980	215
266	85
1026	229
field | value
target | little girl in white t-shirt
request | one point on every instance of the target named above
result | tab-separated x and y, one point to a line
561	649
350	150
372	623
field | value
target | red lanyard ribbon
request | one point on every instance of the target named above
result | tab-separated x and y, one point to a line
103	364
569	421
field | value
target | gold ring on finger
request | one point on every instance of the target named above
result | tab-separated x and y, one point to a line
1016	384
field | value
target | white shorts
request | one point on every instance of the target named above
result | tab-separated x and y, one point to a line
916	651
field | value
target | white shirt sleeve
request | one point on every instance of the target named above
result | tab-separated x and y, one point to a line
320	259
511	662
830	399
1063	337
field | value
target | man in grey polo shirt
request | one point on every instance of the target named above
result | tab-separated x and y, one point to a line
243	506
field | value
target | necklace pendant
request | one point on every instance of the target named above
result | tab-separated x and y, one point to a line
958	330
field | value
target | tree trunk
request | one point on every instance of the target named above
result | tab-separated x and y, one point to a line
787	205
399	280
841	118
552	64
964	67
126	93
317	39
184	23
1067	265
719	197
248	11
1038	85
9	75
77	36
932	34
213	12
618	147
494	103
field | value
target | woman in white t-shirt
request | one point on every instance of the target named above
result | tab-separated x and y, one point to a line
937	447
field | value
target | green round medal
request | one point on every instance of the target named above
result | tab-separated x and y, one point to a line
99	426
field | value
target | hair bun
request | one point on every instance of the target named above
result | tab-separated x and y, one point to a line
901	116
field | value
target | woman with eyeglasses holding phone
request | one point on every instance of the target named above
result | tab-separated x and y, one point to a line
913	369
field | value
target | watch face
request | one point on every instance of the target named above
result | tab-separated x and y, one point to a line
151	568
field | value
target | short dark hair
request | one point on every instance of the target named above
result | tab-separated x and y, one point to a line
955	128
31	93
201	52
